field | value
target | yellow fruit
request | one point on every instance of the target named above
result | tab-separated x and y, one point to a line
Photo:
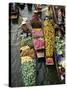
49	37
25	59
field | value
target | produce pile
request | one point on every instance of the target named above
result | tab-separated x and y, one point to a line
28	66
27	61
38	44
49	36
37	33
26	41
60	49
60	55
59	45
28	70
38	41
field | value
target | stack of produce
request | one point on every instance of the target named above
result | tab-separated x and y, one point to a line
49	40
60	45
27	51
37	34
26	41
28	70
28	65
39	46
38	43
60	49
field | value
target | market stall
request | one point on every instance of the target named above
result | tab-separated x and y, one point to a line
46	40
42	44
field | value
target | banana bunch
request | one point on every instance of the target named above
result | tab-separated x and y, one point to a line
49	37
27	51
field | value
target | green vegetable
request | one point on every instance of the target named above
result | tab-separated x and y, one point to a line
59	45
28	73
26	41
